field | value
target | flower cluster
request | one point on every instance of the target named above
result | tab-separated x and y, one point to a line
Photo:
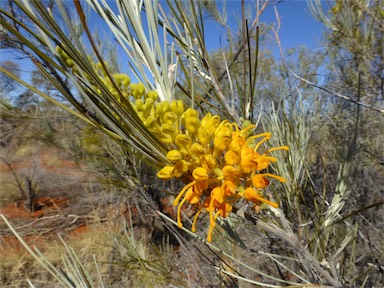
220	160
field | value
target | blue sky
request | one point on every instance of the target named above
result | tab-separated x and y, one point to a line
298	27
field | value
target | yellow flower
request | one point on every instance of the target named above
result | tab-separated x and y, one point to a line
181	167
259	181
183	142
200	174
162	108
208	162
174	156
232	173
191	120
166	172
137	90
248	161
177	107
219	158
223	136
152	95
232	157
197	151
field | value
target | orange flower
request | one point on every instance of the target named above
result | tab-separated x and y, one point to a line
219	157
248	162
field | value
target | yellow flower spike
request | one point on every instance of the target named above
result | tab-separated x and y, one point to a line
252	195
220	156
174	156
200	174
166	172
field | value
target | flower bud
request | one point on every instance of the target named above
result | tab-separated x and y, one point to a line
182	140
174	155
152	95
177	107
166	172
200	174
137	90
259	181
162	108
170	117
